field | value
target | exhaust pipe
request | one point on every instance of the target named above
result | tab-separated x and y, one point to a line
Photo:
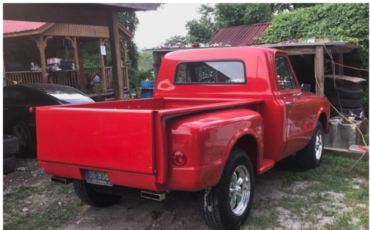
61	180
153	195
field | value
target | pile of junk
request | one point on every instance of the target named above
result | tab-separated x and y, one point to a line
348	123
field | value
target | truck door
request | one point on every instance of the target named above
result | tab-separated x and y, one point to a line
296	106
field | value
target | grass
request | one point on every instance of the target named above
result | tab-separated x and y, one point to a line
53	215
326	192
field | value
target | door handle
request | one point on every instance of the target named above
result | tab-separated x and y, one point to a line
289	103
299	94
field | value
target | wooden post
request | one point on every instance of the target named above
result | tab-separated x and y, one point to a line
41	44
74	45
125	69
115	52
101	63
340	61
319	70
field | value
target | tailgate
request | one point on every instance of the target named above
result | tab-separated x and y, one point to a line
111	139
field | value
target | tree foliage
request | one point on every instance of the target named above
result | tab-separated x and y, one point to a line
341	22
281	7
228	14
130	21
204	29
177	39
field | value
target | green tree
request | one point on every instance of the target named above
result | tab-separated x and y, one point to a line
177	39
145	61
130	21
281	7
228	14
204	29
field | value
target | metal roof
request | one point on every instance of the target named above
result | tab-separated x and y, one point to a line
10	26
20	26
297	44
240	35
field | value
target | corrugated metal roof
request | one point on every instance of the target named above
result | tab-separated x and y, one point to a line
10	26
240	35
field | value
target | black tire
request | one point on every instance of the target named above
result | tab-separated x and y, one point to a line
347	103
215	202
91	197
307	157
26	144
345	111
9	164
10	145
344	93
329	83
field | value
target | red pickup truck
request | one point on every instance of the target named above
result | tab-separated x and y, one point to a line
219	116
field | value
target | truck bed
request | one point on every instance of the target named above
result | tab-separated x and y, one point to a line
124	136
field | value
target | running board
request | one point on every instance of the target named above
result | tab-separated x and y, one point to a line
265	165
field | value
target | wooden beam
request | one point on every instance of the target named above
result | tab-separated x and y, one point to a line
319	70
340	61
125	71
115	52
101	64
75	49
41	44
81	68
156	63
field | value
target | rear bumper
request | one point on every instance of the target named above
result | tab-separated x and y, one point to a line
184	179
127	179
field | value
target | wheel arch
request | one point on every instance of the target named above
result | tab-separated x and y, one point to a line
323	119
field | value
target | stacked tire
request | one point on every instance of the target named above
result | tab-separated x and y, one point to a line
10	147
345	96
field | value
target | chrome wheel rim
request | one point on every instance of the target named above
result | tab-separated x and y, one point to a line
239	190
21	135
318	145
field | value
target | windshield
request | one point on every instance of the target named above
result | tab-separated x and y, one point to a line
65	94
225	72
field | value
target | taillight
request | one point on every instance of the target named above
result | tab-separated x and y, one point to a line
179	158
32	109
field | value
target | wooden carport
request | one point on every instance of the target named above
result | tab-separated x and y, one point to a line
48	35
96	14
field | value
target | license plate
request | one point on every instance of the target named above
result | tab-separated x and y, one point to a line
96	177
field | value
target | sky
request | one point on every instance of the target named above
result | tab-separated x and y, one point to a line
169	20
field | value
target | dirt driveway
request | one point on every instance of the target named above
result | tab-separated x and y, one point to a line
285	198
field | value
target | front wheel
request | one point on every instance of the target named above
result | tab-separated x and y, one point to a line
311	155
227	205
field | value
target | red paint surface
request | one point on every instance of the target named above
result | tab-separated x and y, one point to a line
137	138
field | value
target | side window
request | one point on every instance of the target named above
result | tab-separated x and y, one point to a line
14	95
284	74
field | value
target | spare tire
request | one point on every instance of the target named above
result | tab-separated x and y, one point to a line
10	145
344	93
345	103
9	164
329	83
345	111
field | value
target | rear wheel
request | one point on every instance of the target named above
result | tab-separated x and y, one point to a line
311	155
227	205
91	197
26	145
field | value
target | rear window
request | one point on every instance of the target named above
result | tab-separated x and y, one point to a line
210	72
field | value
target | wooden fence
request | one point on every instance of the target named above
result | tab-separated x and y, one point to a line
64	77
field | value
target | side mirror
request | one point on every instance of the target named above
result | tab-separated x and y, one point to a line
306	87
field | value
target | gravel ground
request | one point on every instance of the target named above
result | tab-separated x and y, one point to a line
32	202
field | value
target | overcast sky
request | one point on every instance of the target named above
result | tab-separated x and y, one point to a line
169	20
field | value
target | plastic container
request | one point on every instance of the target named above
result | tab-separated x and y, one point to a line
147	93
147	84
